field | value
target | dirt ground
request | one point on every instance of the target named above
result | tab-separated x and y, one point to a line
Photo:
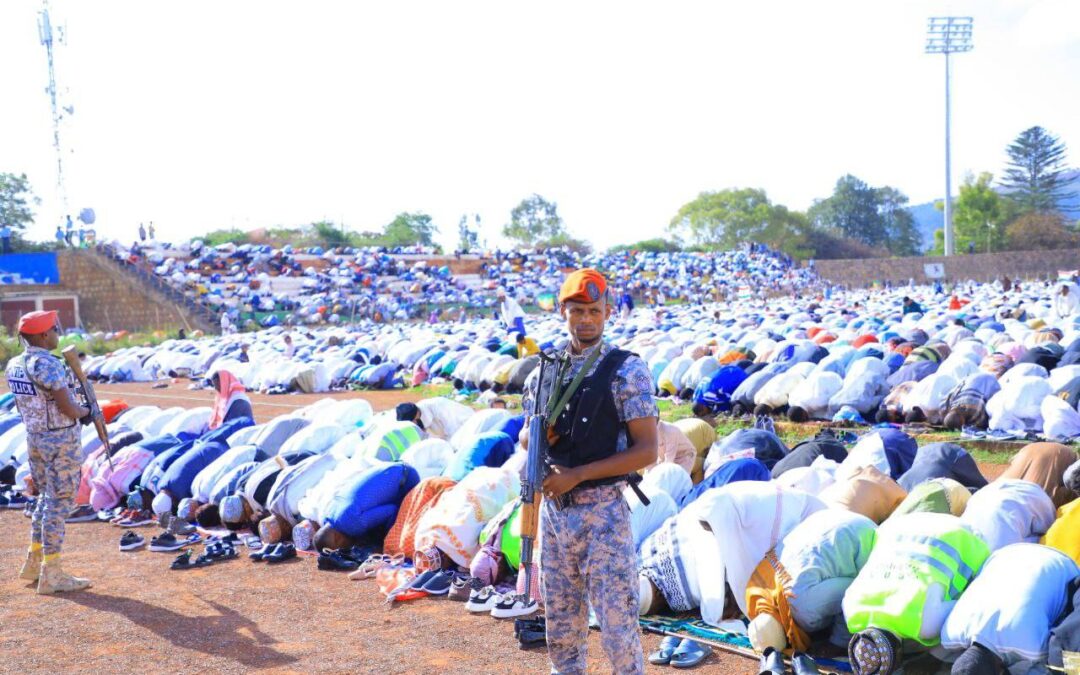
240	616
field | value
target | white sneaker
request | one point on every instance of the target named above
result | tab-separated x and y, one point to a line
483	600
512	605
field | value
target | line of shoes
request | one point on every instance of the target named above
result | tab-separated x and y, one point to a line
347	560
772	663
164	543
457	586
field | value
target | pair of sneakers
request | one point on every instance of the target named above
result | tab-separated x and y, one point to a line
133	518
512	605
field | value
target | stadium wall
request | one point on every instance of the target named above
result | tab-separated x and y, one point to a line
978	267
110	299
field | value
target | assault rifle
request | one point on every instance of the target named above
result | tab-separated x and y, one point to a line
71	355
532	486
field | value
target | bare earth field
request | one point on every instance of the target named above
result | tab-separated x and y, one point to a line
239	616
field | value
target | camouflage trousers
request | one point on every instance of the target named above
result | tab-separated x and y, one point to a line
56	466
588	557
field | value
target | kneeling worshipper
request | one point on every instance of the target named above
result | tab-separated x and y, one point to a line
1064	648
1064	534
175	482
491	449
920	566
673	446
731	471
937	495
449	532
208	478
230	399
248	506
867	492
291	486
760	444
664	485
942	460
701	435
804	454
439	416
401	539
1044	464
965	406
429	457
994	630
1009	511
889	450
685	569
794	594
365	506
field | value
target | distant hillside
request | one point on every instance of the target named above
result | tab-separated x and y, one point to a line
927	218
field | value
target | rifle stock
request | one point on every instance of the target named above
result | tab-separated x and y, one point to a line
71	356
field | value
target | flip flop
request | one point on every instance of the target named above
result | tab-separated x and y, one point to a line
668	645
689	654
182	562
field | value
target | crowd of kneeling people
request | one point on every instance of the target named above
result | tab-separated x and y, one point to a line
871	545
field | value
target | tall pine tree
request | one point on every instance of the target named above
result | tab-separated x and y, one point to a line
1036	168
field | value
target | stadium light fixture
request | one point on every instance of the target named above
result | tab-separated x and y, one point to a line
948	35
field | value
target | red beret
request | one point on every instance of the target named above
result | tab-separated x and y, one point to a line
584	285
36	323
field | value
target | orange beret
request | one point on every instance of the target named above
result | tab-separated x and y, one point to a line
584	285
36	323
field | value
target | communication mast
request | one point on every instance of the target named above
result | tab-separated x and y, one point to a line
45	33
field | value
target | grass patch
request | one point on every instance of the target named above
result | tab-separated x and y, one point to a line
11	346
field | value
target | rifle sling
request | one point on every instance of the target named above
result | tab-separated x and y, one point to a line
557	409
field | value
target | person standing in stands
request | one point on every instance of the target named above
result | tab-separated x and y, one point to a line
142	232
59	236
587	546
43	389
152	230
5	238
510	311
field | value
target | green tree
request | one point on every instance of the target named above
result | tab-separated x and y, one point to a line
1041	231
876	217
468	238
330	235
534	220
16	198
1035	173
229	236
657	245
410	229
727	218
979	214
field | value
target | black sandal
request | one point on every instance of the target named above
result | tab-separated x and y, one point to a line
182	562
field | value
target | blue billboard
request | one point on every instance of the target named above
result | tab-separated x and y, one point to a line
29	268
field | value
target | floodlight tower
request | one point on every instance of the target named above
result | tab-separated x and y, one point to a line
45	34
948	35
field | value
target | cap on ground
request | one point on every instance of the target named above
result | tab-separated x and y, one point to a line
584	285
36	323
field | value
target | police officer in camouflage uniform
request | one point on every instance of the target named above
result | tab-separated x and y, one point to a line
604	434
43	387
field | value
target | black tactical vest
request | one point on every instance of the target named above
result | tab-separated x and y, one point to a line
589	426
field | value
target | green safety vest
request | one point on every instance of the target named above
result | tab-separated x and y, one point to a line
921	560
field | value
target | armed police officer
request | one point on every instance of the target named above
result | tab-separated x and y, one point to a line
43	390
602	430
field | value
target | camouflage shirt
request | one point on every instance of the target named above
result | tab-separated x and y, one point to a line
33	376
632	387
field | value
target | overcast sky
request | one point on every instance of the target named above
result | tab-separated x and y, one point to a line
202	115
